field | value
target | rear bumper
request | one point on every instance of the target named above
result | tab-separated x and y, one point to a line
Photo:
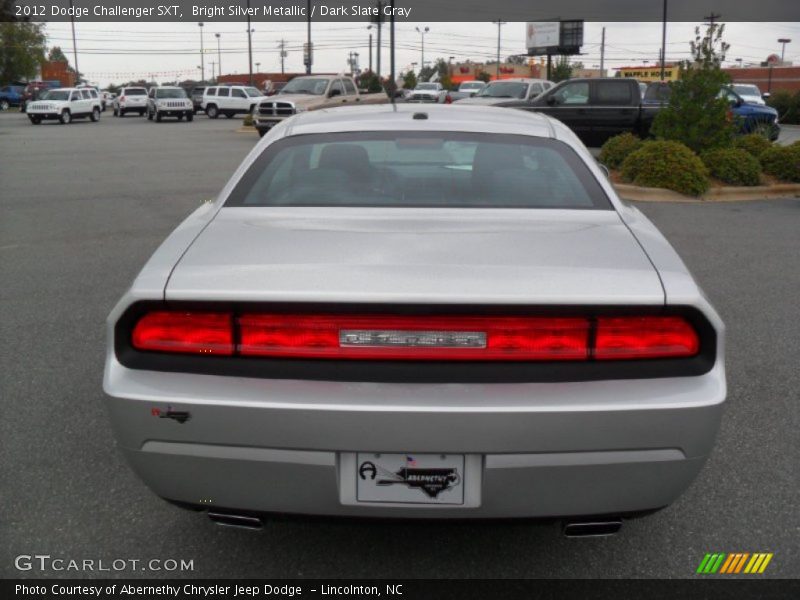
544	450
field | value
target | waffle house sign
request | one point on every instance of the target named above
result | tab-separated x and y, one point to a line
650	73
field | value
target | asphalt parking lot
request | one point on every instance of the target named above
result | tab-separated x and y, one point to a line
83	206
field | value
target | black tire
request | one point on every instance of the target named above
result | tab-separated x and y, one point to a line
212	111
65	118
141	113
190	117
35	120
180	117
121	113
158	116
262	132
116	112
95	116
149	116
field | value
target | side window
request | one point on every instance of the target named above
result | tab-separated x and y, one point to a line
86	95
573	93
93	93
237	93
536	89
350	87
75	97
211	92
613	93
337	85
224	92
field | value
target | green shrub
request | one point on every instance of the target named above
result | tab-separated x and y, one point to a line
753	143
787	105
669	165
617	149
733	165
782	162
248	121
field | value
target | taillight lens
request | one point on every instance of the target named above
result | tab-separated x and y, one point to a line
424	337
644	337
185	332
413	338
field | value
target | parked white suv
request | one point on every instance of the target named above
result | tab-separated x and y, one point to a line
230	100
169	101
130	99
65	104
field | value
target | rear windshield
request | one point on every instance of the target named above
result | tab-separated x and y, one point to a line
135	92
171	93
419	169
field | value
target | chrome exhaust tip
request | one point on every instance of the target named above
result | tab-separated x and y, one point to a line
594	528
234	520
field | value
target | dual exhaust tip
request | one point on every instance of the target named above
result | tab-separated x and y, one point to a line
572	529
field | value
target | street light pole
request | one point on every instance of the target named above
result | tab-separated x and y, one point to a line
308	35
249	45
663	37
219	54
782	41
202	55
370	50
422	33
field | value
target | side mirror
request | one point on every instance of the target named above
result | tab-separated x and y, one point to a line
333	93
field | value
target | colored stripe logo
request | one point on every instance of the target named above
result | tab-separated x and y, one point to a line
734	563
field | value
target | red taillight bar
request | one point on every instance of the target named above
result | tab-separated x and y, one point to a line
403	337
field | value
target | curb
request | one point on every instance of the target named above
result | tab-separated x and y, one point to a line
244	129
719	194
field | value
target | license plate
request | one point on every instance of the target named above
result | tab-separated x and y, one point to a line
410	478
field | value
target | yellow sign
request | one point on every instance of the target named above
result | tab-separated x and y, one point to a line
650	73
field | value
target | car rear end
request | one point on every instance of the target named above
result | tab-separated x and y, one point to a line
132	100
477	360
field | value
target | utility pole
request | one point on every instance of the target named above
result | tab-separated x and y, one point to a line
422	33
213	74
663	37
711	18
202	55
309	57
499	25
379	25
370	50
219	53
782	41
74	43
282	46
392	80
602	52
249	45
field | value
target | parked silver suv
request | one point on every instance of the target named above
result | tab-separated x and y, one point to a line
130	99
168	101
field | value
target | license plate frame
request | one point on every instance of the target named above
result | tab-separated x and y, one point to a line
412	480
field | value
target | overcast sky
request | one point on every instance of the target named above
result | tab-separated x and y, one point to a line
117	52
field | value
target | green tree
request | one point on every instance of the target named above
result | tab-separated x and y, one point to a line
57	55
23	46
484	76
697	115
369	81
410	80
561	70
425	73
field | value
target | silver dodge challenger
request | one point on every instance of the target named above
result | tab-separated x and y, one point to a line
406	311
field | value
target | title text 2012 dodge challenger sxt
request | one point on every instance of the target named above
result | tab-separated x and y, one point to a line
396	311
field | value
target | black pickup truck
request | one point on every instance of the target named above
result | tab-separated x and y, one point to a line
595	109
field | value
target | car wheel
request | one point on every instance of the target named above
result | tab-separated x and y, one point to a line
180	117
116	112
121	113
36	120
212	111
95	117
4	105
158	116
262	132
141	113
65	118
190	116
149	116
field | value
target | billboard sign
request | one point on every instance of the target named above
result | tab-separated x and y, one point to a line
554	37
542	35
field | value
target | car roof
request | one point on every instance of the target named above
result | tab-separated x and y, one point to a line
394	117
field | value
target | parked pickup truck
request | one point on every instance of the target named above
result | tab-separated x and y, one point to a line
595	109
311	92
